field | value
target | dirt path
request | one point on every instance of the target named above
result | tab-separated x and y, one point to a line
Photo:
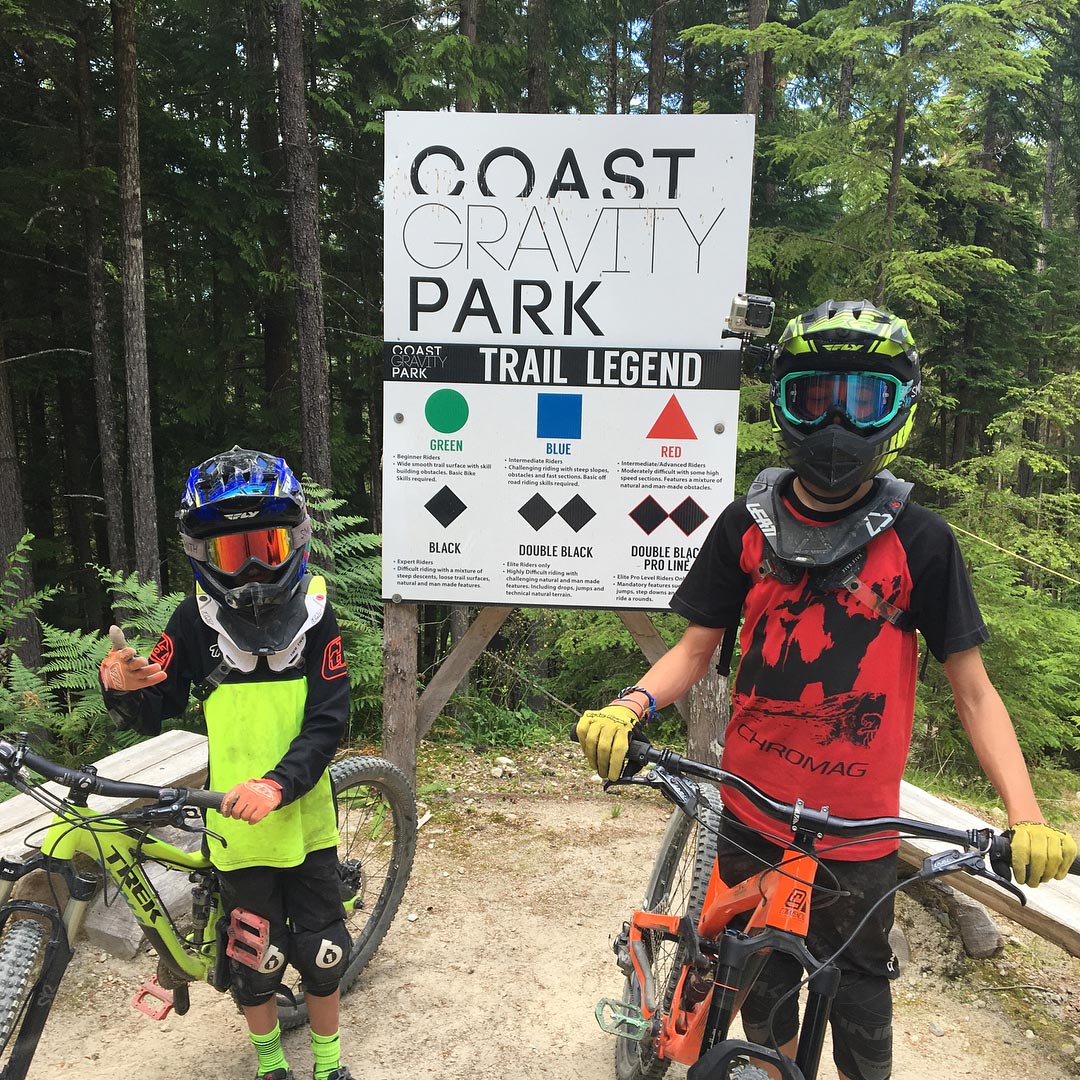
502	949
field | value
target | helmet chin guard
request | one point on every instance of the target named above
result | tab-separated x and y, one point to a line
834	460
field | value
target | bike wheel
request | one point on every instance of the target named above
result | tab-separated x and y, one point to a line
377	842
677	887
21	952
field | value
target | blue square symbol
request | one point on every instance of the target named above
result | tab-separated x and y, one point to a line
558	416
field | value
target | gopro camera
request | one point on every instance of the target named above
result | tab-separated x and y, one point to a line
751	314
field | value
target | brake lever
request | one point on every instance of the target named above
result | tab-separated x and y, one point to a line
677	790
971	862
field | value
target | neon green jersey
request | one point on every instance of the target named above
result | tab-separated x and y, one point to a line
250	726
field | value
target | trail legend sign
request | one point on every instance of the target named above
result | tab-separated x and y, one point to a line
560	409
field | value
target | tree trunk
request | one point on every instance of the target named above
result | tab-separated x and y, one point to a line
755	63
264	149
12	519
300	166
1050	169
132	285
105	402
689	77
899	128
467	29
843	94
612	70
79	504
537	32
657	50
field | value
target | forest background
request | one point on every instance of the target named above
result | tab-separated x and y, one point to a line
190	257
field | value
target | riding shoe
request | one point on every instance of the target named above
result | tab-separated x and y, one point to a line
276	1074
340	1073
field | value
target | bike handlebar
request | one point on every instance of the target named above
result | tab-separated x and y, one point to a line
12	758
998	846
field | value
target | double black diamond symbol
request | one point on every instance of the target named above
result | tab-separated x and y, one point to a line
649	515
577	513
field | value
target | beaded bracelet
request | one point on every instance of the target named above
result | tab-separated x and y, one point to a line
648	713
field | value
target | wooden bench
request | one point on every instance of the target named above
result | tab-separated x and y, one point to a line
173	759
1052	910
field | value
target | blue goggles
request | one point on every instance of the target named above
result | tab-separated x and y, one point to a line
865	399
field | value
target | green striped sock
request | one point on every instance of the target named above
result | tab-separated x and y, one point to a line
326	1050
268	1047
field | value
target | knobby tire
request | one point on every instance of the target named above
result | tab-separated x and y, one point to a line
377	826
679	880
22	948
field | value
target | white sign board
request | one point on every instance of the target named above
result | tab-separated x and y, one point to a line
560	409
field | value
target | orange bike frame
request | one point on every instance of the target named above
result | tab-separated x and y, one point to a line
780	900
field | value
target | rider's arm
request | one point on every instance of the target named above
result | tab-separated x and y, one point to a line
326	710
144	710
987	723
684	664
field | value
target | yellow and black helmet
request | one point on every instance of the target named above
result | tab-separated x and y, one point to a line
846	379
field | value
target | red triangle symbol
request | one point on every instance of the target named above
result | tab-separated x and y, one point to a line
672	423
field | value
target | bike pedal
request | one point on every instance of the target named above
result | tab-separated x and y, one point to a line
149	993
249	937
626	1020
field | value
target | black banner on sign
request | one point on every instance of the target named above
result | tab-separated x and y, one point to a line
555	365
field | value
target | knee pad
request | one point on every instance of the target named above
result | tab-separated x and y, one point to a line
777	977
862	1027
255	986
320	956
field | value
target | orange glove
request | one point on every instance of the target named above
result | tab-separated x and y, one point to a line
122	670
252	800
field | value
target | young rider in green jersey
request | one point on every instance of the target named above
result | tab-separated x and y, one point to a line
258	645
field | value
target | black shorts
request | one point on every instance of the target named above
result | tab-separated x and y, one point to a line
833	920
305	897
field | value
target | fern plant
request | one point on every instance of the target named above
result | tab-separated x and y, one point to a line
355	585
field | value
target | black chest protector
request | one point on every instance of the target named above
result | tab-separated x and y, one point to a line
832	554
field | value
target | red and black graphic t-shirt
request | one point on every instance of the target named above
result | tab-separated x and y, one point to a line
825	691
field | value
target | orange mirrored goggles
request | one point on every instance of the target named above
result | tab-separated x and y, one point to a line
229	554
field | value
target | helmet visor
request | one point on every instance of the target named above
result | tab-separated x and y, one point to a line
865	399
230	553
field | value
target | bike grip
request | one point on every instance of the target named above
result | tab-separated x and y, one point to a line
116	637
205	800
573	734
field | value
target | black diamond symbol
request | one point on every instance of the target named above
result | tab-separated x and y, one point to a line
444	506
577	513
688	515
648	514
537	511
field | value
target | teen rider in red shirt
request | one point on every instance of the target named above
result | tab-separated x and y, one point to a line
832	569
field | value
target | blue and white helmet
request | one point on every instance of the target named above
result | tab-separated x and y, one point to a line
245	527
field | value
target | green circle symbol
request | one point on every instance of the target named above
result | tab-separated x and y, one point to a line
446	411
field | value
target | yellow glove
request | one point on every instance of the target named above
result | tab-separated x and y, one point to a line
1040	853
122	670
604	735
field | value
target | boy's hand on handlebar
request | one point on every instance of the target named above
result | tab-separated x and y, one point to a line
1040	853
604	735
122	670
252	800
